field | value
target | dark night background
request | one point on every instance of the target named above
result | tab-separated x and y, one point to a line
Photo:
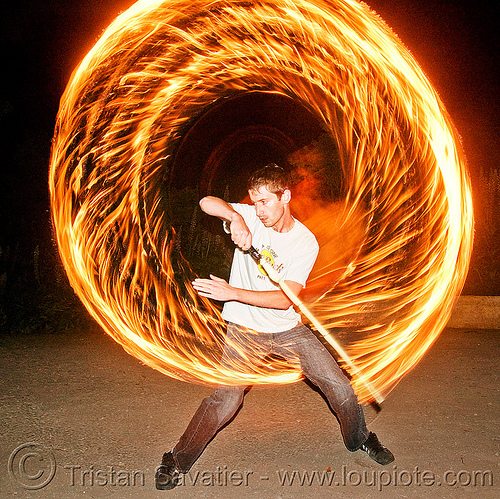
455	43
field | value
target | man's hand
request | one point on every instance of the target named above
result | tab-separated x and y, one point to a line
214	288
240	234
217	207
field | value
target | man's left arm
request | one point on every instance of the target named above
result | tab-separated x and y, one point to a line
218	289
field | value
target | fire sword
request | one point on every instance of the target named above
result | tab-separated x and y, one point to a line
327	335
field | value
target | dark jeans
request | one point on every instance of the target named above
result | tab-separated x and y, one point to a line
298	345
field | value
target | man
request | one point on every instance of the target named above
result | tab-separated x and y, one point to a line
252	302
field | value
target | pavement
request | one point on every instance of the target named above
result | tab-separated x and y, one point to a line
80	417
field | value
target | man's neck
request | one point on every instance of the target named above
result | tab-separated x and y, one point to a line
285	223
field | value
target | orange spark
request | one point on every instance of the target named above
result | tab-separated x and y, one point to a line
404	227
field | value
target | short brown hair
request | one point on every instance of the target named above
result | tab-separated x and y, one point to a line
273	177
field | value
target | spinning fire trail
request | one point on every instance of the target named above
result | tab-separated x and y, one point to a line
405	191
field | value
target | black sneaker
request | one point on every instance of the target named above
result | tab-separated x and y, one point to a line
376	450
167	474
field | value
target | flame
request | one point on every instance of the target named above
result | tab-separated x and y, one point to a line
395	251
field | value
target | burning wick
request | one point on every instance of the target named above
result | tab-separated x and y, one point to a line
126	109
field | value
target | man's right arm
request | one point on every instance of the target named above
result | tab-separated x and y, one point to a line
216	207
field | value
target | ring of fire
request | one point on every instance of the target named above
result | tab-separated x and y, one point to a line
404	217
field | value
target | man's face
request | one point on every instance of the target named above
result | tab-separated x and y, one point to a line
268	206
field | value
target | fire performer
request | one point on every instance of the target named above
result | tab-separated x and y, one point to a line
256	306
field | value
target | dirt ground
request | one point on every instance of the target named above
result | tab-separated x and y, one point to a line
81	417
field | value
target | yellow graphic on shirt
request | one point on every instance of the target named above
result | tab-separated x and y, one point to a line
267	255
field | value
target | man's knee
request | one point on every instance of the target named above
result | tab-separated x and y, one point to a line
333	378
228	395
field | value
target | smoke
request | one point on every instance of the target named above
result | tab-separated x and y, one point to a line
319	202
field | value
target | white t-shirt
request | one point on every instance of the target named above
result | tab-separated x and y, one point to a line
292	255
